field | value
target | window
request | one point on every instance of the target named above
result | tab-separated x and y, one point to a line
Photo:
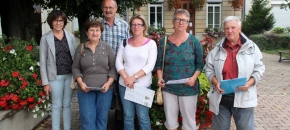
214	16
155	18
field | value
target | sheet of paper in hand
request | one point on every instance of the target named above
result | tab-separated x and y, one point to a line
179	81
95	88
140	95
230	85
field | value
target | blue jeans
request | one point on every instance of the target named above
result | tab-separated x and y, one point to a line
61	95
243	117
94	108
129	112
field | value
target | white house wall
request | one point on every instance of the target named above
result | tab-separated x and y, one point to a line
282	16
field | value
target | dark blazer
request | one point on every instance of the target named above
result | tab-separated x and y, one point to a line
47	55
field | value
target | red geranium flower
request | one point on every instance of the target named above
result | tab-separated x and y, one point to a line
21	78
15	74
6	83
24	84
40	102
29	48
41	93
23	103
31	106
7	48
3	104
39	82
15	106
34	76
14	97
30	99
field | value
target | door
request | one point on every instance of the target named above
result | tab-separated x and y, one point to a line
187	4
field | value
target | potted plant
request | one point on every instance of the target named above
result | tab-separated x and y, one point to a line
215	32
174	4
237	4
20	83
198	4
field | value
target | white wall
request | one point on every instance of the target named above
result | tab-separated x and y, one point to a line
248	6
282	16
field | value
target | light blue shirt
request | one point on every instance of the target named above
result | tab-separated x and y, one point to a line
114	35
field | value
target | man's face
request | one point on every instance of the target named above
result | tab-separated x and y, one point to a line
232	30
109	8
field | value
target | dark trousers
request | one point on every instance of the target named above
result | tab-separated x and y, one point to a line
117	105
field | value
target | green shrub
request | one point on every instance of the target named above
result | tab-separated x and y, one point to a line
271	41
278	30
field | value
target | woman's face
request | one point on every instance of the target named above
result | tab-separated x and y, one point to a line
137	27
180	22
94	33
232	30
58	24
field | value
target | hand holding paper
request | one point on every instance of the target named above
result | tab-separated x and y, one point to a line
230	86
179	81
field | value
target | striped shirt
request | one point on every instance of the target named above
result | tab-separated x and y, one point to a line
114	35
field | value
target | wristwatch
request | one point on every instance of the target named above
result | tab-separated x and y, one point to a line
135	76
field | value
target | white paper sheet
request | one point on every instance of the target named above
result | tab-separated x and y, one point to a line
140	95
179	81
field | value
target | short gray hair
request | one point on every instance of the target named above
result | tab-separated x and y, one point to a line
233	18
181	11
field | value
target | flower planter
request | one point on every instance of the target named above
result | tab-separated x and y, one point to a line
205	126
18	120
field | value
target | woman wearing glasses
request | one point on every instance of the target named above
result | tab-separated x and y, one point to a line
134	63
57	48
183	60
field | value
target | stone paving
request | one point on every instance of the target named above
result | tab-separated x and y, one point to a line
272	113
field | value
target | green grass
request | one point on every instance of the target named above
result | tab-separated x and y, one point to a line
275	52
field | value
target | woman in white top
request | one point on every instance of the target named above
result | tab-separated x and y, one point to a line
135	62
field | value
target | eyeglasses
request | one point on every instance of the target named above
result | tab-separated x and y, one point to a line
109	7
137	25
58	21
178	20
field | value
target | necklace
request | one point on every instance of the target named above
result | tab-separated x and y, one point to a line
234	50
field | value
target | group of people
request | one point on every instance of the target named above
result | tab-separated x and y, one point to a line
106	65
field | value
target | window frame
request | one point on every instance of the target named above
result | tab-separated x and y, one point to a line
155	5
213	5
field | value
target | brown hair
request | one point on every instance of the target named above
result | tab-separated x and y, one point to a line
53	15
142	18
94	23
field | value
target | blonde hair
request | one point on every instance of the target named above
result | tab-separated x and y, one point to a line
142	18
181	11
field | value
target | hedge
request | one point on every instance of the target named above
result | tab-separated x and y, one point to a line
271	41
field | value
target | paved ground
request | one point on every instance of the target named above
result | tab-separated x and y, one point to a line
272	113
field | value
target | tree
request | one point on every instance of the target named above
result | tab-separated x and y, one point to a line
17	15
16	18
84	9
259	18
284	6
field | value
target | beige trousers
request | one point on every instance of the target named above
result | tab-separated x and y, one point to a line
187	107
